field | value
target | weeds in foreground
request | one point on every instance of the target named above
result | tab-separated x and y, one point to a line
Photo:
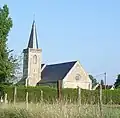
57	110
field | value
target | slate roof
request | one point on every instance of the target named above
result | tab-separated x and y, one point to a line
42	65
54	72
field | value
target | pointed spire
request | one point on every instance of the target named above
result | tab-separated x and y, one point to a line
33	43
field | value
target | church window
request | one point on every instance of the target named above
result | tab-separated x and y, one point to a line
35	59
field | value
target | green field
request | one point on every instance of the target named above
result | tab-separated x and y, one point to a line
57	110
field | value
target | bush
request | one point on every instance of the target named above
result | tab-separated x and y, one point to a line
68	95
49	94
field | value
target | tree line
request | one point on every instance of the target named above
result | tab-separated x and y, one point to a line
8	62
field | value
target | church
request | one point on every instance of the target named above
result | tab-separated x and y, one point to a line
72	74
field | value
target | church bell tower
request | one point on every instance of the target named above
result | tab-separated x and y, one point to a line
32	60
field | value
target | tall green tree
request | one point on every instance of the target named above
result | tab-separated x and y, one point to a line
94	81
117	83
7	60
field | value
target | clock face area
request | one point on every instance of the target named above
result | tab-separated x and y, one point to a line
78	77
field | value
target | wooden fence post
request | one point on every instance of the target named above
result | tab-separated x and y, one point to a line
1	99
15	93
100	101
79	95
41	95
5	99
59	89
26	92
26	99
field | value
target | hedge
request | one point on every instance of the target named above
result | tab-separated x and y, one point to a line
68	95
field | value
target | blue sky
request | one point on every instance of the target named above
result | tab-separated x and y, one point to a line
84	30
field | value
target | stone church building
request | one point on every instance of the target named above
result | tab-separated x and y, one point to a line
35	73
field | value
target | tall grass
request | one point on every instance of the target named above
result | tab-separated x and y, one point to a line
57	110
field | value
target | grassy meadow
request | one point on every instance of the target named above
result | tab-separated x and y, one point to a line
58	110
46	105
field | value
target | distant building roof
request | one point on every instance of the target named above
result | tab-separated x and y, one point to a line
103	86
54	72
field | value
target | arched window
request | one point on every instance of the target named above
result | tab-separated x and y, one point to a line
35	59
